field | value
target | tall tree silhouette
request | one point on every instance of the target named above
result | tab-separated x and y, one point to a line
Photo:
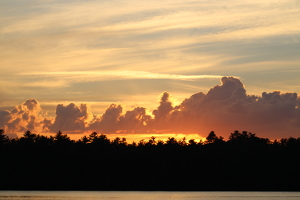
62	139
213	138
3	138
99	140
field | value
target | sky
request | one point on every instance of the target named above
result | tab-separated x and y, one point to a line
137	68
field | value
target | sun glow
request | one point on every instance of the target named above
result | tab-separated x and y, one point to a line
145	137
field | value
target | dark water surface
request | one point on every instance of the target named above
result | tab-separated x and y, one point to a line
95	195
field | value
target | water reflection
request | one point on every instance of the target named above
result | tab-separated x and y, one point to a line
96	195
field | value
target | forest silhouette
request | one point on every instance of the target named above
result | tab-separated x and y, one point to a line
244	162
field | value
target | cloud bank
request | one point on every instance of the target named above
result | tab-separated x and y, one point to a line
224	108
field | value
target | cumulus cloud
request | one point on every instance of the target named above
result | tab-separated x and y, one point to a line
227	107
224	108
114	120
109	120
164	108
71	117
135	120
26	116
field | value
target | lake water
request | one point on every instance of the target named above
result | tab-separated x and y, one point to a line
95	195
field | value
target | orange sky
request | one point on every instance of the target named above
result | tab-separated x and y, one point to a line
90	54
224	108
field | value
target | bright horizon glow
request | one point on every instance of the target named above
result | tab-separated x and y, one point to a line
130	138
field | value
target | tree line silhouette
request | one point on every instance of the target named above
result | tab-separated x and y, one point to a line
244	162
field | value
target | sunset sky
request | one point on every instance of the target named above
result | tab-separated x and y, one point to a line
137	67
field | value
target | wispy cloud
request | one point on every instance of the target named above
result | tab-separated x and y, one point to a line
72	34
89	76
